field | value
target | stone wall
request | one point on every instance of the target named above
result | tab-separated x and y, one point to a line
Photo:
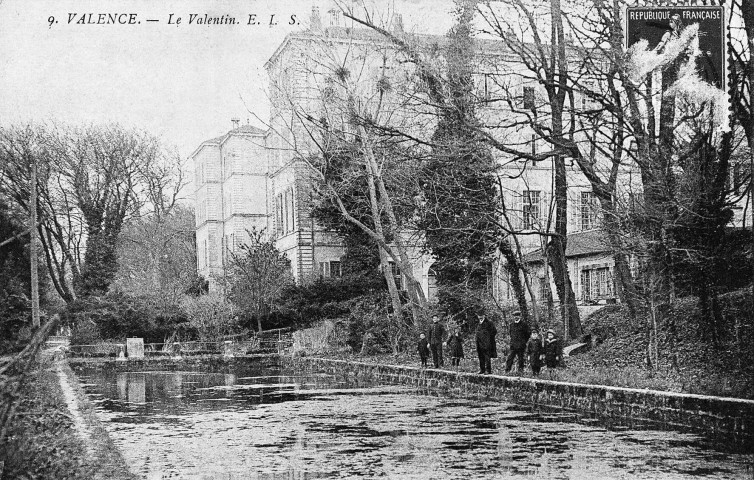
712	414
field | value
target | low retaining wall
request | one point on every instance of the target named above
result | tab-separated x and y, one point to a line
101	452
711	414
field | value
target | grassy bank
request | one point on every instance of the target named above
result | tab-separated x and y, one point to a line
43	441
689	359
690	362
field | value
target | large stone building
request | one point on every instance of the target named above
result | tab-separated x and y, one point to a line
242	185
256	179
252	178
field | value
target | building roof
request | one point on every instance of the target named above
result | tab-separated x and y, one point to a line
580	244
242	130
484	46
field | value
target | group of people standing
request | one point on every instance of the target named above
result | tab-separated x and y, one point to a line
525	344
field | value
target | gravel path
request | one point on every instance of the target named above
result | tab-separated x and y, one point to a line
79	424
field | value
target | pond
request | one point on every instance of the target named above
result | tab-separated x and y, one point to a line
266	422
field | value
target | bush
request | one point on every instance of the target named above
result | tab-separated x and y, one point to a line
15	320
307	304
211	316
117	316
85	332
372	329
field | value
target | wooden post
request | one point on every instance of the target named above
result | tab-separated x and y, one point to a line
33	246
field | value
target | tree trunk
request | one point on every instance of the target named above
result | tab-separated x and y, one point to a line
626	289
534	307
392	288
416	294
513	267
557	254
564	287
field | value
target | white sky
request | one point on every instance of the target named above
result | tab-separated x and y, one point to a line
182	83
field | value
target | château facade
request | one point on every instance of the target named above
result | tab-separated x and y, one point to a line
251	178
254	178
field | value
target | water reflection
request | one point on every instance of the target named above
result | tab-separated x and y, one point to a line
267	423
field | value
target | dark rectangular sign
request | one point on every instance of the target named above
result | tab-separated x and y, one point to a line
651	23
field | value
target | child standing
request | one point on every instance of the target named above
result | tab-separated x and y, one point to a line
552	350
455	345
534	352
423	349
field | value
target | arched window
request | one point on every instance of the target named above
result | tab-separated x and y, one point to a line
431	286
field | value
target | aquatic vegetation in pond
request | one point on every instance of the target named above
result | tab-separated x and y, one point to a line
267	423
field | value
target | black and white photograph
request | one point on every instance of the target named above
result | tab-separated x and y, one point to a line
405	239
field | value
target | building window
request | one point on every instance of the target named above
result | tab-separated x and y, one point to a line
279	214
530	209
588	102
285	212
534	144
588	211
290	212
544	289
596	284
431	286
397	275
740	177
528	99
330	269
487	84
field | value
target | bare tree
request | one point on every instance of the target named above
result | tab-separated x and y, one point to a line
91	180
549	64
352	93
157	256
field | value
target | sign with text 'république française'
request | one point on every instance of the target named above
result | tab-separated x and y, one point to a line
652	23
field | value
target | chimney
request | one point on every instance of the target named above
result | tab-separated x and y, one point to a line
315	24
235	121
334	17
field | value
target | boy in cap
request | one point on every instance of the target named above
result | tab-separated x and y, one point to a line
552	349
423	349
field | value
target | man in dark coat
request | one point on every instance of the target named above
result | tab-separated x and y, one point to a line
485	344
436	337
520	332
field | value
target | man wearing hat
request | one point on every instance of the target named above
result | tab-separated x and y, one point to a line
485	344
520	333
435	338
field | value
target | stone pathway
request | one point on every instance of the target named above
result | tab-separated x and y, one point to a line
79	424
